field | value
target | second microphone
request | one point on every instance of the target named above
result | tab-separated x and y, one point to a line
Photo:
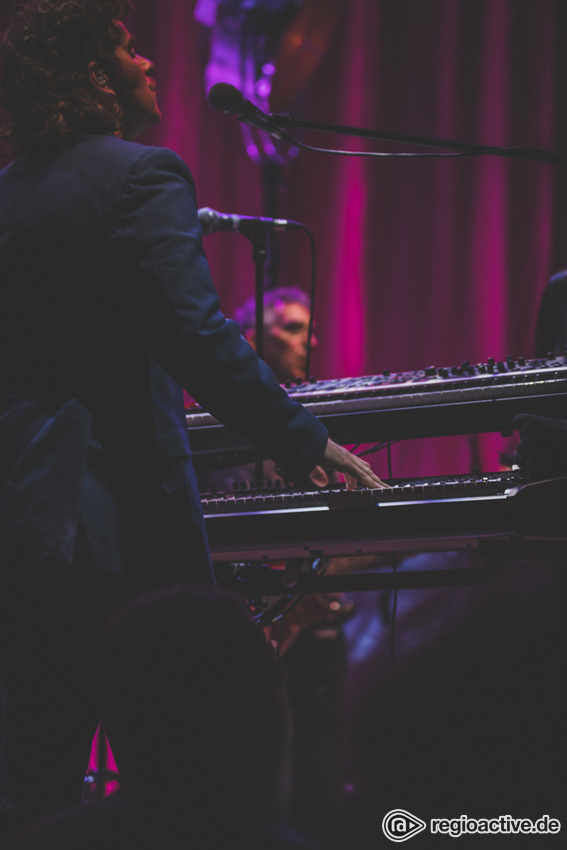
214	222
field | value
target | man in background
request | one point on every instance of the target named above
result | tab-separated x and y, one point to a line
286	330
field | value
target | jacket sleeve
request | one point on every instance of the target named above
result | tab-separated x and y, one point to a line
157	236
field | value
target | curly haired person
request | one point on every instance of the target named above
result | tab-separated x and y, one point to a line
107	310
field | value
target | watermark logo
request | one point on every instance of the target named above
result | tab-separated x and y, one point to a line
504	825
399	825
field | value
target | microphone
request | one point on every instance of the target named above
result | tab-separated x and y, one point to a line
214	222
227	98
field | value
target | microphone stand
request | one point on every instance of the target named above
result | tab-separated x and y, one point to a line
290	122
257	237
259	256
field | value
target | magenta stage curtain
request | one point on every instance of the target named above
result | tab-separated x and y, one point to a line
421	261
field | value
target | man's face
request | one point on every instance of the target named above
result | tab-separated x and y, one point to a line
285	340
137	89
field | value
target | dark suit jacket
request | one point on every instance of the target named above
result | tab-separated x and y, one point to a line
106	307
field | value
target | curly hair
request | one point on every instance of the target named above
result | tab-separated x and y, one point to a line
46	95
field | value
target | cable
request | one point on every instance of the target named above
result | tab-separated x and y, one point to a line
393	622
511	153
312	297
406	154
377	447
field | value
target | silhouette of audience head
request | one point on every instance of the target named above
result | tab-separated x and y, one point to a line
551	328
192	703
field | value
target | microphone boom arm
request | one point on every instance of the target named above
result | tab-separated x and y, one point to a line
290	122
